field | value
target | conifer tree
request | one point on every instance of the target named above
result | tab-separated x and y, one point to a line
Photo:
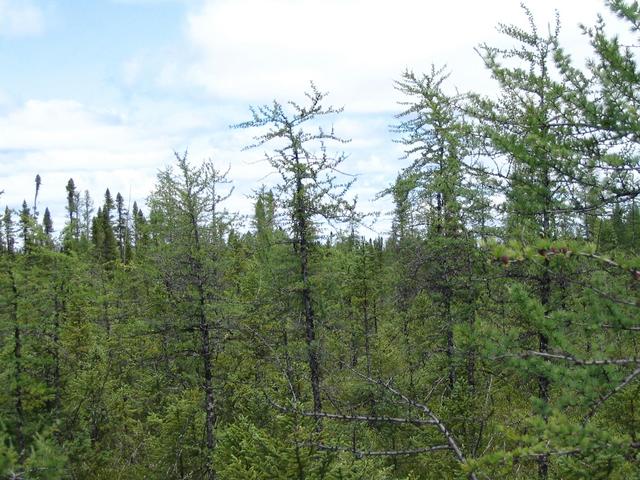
38	182
47	223
435	139
9	227
122	229
26	227
104	240
140	234
190	227
541	127
72	229
308	192
85	212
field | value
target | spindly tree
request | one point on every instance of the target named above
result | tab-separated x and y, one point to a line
436	140
190	230
71	231
308	192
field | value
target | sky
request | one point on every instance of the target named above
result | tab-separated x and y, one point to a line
105	91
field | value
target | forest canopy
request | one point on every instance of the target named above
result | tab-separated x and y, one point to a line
493	333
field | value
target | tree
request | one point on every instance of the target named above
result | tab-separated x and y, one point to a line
38	181
122	229
47	223
102	235
140	234
9	227
71	231
555	168
85	211
26	228
308	192
190	229
433	135
436	139
522	128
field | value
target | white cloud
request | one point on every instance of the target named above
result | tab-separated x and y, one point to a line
253	50
20	18
59	139
243	52
122	151
148	2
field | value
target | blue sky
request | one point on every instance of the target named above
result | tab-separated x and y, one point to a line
105	90
79	46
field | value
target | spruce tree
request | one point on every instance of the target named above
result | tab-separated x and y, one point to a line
71	230
9	230
47	223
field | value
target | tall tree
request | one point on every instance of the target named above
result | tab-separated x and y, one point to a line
122	229
47	223
38	181
85	212
9	230
71	232
436	139
191	226
309	191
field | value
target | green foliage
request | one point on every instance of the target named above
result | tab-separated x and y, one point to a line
492	335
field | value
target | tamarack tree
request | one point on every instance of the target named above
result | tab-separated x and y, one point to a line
308	192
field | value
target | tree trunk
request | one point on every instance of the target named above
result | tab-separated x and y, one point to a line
543	381
310	332
17	341
205	353
450	341
208	386
59	309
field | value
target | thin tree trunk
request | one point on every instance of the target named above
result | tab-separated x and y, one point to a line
543	381
59	309
367	329
450	342
545	291
310	332
205	352
208	385
17	339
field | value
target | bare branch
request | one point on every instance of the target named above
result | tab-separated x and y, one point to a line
378	453
627	380
577	361
356	418
451	440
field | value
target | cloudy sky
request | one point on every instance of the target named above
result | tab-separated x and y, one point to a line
105	90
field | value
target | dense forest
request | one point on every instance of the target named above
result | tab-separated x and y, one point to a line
493	333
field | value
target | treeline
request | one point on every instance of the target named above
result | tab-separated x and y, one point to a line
492	334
